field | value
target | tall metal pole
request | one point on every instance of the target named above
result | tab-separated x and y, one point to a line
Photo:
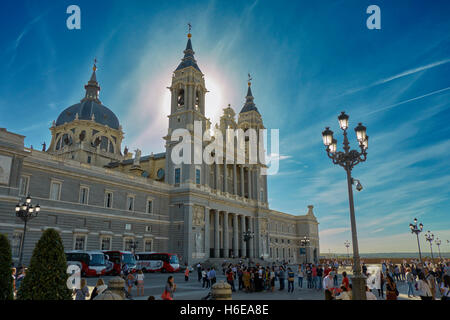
23	241
418	244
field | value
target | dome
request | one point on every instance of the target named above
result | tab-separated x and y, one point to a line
85	110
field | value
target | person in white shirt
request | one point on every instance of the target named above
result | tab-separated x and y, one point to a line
328	286
140	282
423	288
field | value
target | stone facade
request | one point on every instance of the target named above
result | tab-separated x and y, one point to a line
100	198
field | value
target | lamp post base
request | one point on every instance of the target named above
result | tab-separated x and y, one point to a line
359	287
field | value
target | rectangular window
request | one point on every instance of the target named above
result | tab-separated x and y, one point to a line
128	226
55	190
52	220
89	159
177	175
16	243
80	242
23	188
148	246
197	176
84	194
149	206
106	243
108	199
148	228
130	203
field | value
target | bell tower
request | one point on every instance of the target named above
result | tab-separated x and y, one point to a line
187	106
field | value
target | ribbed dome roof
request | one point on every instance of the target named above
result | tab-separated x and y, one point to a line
85	110
90	108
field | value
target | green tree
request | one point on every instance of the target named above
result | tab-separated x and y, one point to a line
6	282
46	277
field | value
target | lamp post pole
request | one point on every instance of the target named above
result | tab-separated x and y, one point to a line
430	237
417	229
348	159
305	241
26	212
438	243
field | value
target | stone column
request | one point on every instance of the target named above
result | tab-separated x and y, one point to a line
226	240
243	244
225	177
234	179
216	176
258	184
242	179
207	233
249	183
187	237
216	235
235	235
250	243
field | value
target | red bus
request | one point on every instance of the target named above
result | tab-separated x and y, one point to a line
153	261
91	263
117	258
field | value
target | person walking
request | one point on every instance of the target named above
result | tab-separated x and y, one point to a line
319	277
140	283
130	282
445	287
186	273
99	288
169	289
83	292
240	274
230	279
246	279
381	290
212	276
423	288
204	278
309	277
291	278
410	279
328	286
272	279
345	281
199	272
431	279
300	276
281	275
391	289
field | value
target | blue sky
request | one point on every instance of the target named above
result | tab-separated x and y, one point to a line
309	61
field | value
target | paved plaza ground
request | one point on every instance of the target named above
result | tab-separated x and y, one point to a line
192	290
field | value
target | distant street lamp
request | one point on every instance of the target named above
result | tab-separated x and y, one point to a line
430	237
133	246
348	159
305	242
26	212
347	245
417	229
438	243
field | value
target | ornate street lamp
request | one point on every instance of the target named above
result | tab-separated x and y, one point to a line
430	237
438	243
26	212
247	236
305	242
348	159
417	229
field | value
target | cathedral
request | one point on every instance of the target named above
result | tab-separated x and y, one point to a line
99	196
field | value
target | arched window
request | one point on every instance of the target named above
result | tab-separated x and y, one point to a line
180	98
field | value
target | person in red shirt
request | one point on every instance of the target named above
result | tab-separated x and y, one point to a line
230	279
345	281
314	277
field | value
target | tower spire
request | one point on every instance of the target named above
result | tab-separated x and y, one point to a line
92	87
188	59
249	104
